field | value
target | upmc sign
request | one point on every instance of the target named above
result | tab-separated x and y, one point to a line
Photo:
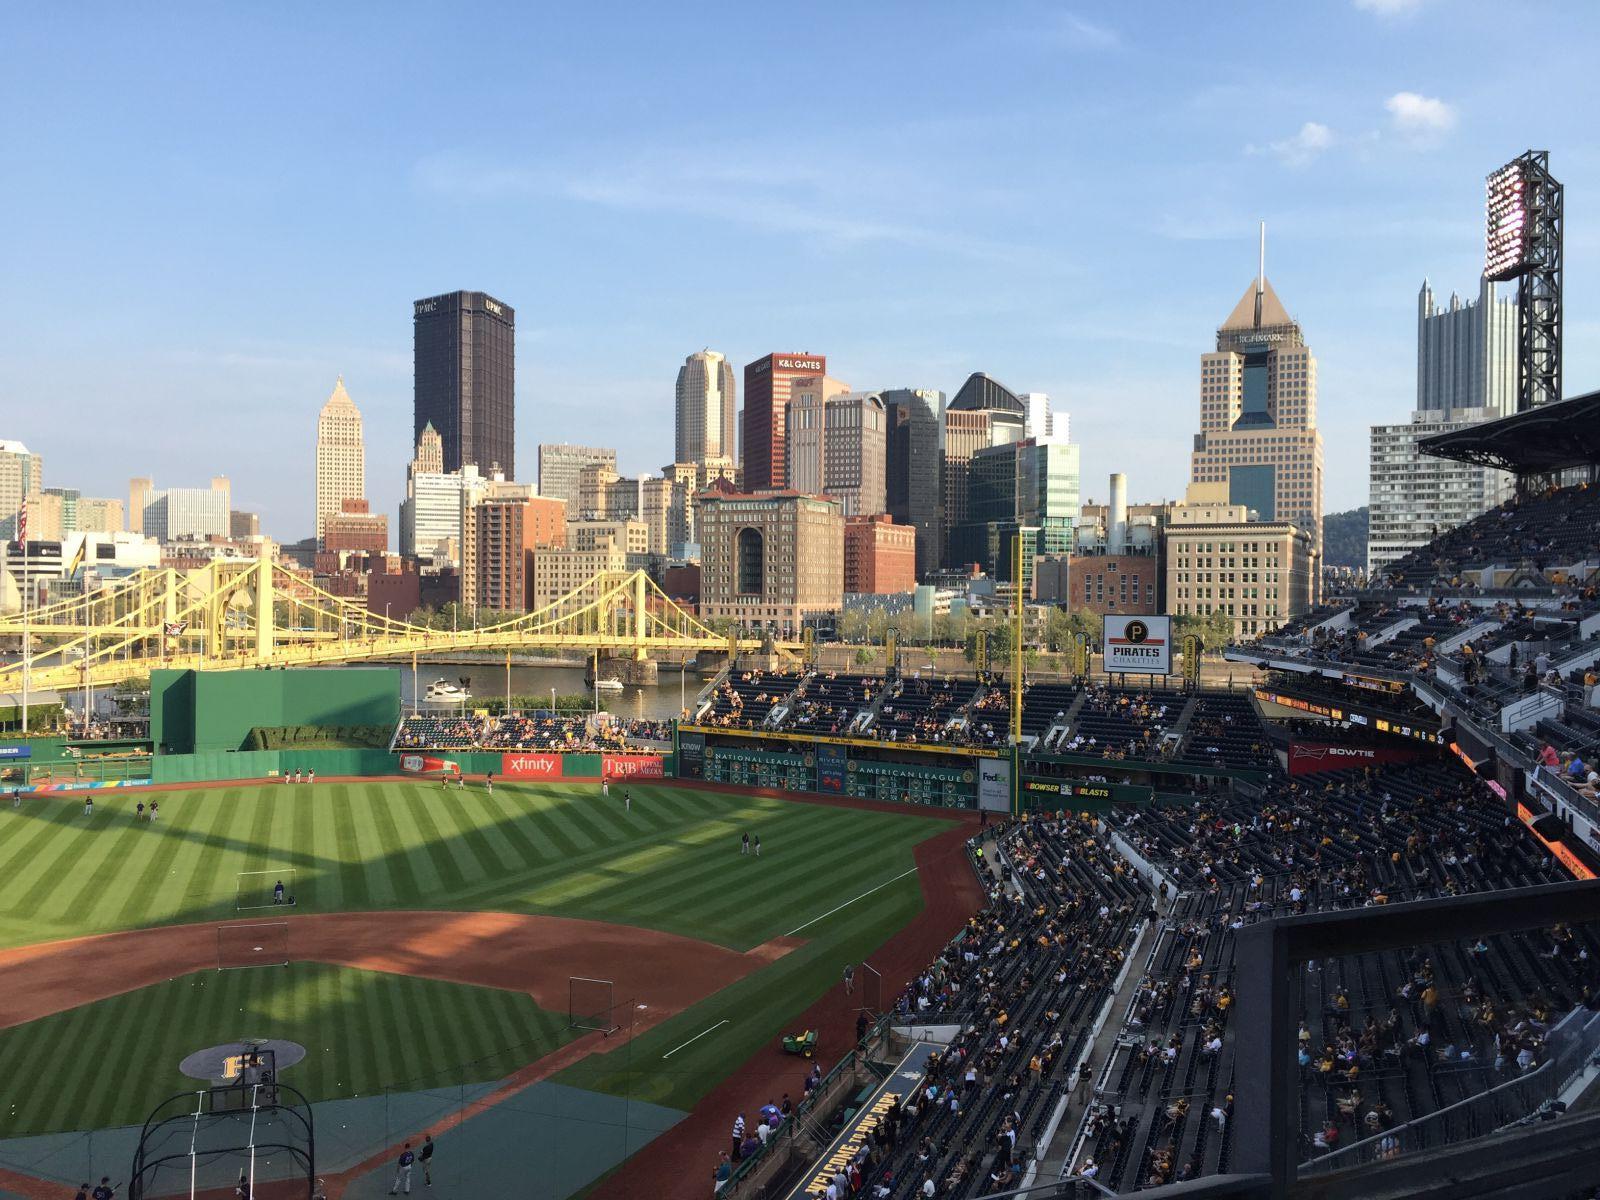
531	766
632	766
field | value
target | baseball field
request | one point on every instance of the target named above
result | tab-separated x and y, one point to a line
430	944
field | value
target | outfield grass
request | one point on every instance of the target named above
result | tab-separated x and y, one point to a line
672	863
110	1063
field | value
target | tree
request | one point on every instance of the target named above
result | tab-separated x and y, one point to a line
852	625
998	634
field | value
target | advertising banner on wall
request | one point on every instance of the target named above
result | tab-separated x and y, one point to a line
994	784
1138	645
905	1079
831	769
691	755
632	766
16	751
427	764
531	766
1311	758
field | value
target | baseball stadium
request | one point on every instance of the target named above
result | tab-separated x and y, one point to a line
1329	928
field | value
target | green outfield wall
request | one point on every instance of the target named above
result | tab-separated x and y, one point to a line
201	711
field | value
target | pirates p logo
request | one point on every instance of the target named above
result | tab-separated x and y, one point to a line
1136	632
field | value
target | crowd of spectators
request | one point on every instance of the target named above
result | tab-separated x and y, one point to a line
1386	1038
1117	725
429	731
743	701
827	702
1025	981
1552	529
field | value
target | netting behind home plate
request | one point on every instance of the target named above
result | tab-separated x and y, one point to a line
255	1141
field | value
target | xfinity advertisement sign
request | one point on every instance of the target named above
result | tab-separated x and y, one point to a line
1138	645
994	784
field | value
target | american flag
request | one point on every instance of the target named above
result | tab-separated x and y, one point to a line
22	524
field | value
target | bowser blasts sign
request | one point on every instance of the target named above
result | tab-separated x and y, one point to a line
1138	645
632	766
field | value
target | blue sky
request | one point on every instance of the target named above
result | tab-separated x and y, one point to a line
216	209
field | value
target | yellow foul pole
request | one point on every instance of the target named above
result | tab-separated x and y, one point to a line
1016	642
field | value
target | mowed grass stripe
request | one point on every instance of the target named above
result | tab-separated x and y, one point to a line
329	894
480	855
58	894
701	883
213	885
352	872
155	888
36	840
502	820
410	857
303	833
451	874
470	820
549	814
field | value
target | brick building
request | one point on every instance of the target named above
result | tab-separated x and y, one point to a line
880	557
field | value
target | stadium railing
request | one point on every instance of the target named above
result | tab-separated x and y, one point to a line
1575	1039
1272	953
824	1097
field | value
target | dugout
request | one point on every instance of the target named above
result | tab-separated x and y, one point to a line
216	710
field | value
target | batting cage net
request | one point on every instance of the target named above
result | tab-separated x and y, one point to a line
589	1004
262	944
264	889
871	990
253	1141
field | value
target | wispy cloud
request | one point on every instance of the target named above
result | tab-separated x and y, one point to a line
1390	9
802	202
1420	118
1308	143
1086	34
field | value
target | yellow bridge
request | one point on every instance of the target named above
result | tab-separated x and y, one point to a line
244	613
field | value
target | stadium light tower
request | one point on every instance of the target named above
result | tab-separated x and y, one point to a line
1524	211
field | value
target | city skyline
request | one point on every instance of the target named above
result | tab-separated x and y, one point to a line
1370	177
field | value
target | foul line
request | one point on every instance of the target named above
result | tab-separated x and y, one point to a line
851	901
695	1038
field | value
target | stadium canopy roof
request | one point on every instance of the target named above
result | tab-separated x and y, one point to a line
1552	437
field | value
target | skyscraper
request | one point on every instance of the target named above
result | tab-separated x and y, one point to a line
706	404
430	451
1466	374
1258	416
341	457
21	476
464	379
768	386
835	446
914	469
561	468
984	413
1032	485
1467	353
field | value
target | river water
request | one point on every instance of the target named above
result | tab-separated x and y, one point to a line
659	702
